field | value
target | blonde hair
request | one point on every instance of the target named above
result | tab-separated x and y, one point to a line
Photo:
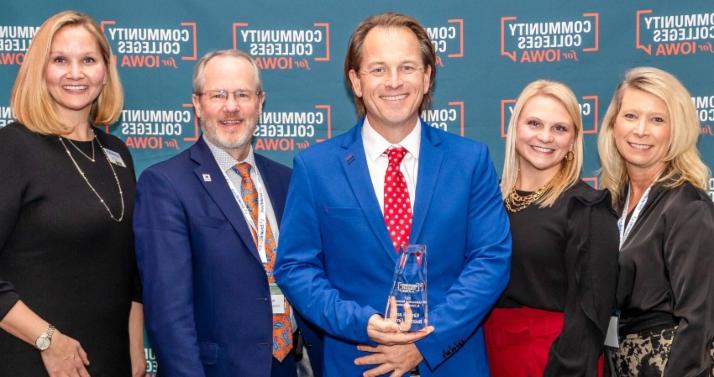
569	169
682	158
31	101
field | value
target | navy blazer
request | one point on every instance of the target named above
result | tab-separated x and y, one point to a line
206	296
336	259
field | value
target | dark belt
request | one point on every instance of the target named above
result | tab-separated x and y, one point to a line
651	321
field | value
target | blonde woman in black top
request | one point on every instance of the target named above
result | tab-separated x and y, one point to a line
651	166
552	318
69	298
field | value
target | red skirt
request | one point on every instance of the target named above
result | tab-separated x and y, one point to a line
518	340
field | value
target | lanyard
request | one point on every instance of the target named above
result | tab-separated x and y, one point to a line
259	230
625	230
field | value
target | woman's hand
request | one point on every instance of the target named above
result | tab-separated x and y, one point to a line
65	357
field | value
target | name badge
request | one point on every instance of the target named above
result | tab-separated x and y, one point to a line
114	157
277	298
611	339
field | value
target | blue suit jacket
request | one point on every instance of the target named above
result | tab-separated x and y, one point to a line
336	260
206	297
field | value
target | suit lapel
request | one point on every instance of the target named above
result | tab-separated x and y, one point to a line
221	194
354	164
271	186
430	158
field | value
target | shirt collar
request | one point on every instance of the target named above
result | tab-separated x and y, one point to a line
225	161
375	144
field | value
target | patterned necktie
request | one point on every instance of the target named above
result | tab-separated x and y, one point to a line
397	206
282	328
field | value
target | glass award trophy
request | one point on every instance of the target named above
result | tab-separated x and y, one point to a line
407	303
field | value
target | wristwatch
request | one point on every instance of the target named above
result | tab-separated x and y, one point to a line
44	341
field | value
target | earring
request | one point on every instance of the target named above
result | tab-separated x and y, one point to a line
569	156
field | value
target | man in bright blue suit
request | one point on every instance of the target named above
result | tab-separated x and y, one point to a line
205	223
390	180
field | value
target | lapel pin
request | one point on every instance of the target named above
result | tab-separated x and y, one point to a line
207	178
349	158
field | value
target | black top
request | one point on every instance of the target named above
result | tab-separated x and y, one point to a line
61	253
667	275
565	259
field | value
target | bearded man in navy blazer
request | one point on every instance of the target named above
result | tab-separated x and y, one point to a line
338	235
205	223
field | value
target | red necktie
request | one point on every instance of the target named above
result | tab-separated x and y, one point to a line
282	328
397	206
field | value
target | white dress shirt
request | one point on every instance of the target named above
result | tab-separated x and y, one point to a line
227	163
375	148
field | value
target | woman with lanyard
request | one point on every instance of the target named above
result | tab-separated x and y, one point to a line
651	166
552	318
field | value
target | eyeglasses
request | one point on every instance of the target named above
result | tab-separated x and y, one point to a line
220	96
404	70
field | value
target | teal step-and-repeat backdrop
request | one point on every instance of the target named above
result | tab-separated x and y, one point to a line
488	51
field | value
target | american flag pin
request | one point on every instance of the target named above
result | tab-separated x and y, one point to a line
207	178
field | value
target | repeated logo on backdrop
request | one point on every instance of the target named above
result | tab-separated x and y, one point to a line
527	40
674	34
705	112
289	131
150	129
588	111
284	49
678	38
448	40
448	117
156	46
14	41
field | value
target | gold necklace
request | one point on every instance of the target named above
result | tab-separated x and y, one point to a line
516	202
81	151
86	180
